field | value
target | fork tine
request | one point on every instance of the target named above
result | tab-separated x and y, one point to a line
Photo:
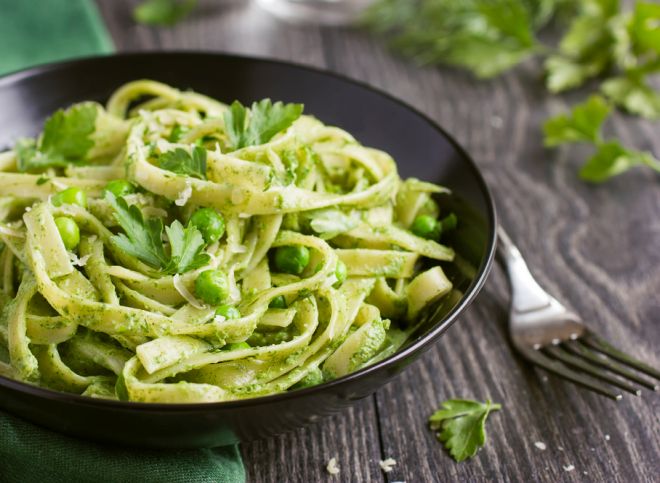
597	343
609	364
567	358
560	369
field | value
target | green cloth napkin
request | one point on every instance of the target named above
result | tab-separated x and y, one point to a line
34	32
29	453
38	31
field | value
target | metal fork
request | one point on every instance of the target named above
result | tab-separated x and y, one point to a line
554	338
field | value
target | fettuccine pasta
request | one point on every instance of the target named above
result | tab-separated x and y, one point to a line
170	248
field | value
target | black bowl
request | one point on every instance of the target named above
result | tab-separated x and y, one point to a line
421	148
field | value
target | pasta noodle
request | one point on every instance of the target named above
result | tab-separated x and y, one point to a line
288	255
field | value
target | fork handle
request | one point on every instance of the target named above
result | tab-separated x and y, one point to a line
526	293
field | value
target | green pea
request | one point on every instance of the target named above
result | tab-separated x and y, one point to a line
120	187
210	223
341	272
228	312
449	222
69	231
426	226
237	345
278	302
291	259
70	196
212	286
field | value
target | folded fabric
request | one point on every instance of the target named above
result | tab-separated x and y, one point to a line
29	453
38	31
34	32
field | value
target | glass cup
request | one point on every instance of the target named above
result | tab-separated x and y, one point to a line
320	12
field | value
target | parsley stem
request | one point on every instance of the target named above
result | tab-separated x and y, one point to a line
493	406
651	162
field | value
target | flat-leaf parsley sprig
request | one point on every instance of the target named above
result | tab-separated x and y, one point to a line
461	426
600	39
258	125
143	239
182	162
584	125
71	136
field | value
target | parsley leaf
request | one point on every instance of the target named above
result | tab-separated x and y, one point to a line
186	248
564	73
163	12
637	54
67	138
645	27
601	37
260	123
142	238
29	158
633	95
181	162
582	125
484	57
611	159
585	49
68	133
486	37
461	426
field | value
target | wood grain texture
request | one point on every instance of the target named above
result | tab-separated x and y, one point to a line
594	247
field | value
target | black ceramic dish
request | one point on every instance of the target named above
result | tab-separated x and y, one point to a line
421	148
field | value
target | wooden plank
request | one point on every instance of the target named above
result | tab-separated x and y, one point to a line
351	437
593	247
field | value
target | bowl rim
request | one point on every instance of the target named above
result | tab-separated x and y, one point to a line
418	346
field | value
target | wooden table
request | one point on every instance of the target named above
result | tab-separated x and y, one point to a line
595	247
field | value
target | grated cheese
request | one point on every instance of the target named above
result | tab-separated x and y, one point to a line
162	145
80	262
184	196
331	280
332	467
387	465
181	288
